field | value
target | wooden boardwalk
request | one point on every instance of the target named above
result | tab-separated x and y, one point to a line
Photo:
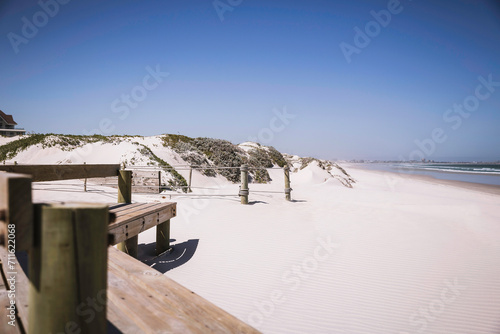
139	300
166	306
77	283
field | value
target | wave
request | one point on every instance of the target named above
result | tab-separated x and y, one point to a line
487	170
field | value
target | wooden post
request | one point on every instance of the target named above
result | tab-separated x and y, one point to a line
128	246
190	177
160	188
159	181
16	209
288	190
162	237
244	184
68	269
125	186
85	182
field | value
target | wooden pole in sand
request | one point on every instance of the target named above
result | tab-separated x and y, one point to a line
159	181
128	246
85	182
190	177
288	190
68	269
244	184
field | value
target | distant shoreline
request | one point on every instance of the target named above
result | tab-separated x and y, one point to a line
482	187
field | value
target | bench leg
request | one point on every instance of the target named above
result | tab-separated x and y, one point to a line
129	246
162	237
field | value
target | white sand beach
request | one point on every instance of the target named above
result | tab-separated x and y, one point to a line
393	254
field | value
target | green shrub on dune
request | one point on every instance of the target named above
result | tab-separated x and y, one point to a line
10	150
209	152
276	156
66	142
177	181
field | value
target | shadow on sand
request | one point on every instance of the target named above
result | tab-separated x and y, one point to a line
180	254
257	202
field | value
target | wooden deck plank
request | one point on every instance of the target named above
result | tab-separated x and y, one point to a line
142	210
176	300
22	287
4	311
5	328
127	297
142	300
117	206
125	324
133	211
131	208
122	208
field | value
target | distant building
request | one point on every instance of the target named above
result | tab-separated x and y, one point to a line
7	124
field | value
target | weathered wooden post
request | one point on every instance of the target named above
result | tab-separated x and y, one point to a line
125	186
68	269
288	190
16	209
159	181
85	182
128	246
244	184
190	177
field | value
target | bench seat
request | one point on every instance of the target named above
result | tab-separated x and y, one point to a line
132	219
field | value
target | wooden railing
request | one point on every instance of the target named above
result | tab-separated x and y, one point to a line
62	172
20	199
68	265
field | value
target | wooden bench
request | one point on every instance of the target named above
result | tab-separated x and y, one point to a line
133	299
125	230
132	219
128	220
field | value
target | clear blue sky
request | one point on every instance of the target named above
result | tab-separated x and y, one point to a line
228	78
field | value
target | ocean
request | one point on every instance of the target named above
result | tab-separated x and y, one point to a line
485	173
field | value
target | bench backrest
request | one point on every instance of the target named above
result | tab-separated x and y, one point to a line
63	172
